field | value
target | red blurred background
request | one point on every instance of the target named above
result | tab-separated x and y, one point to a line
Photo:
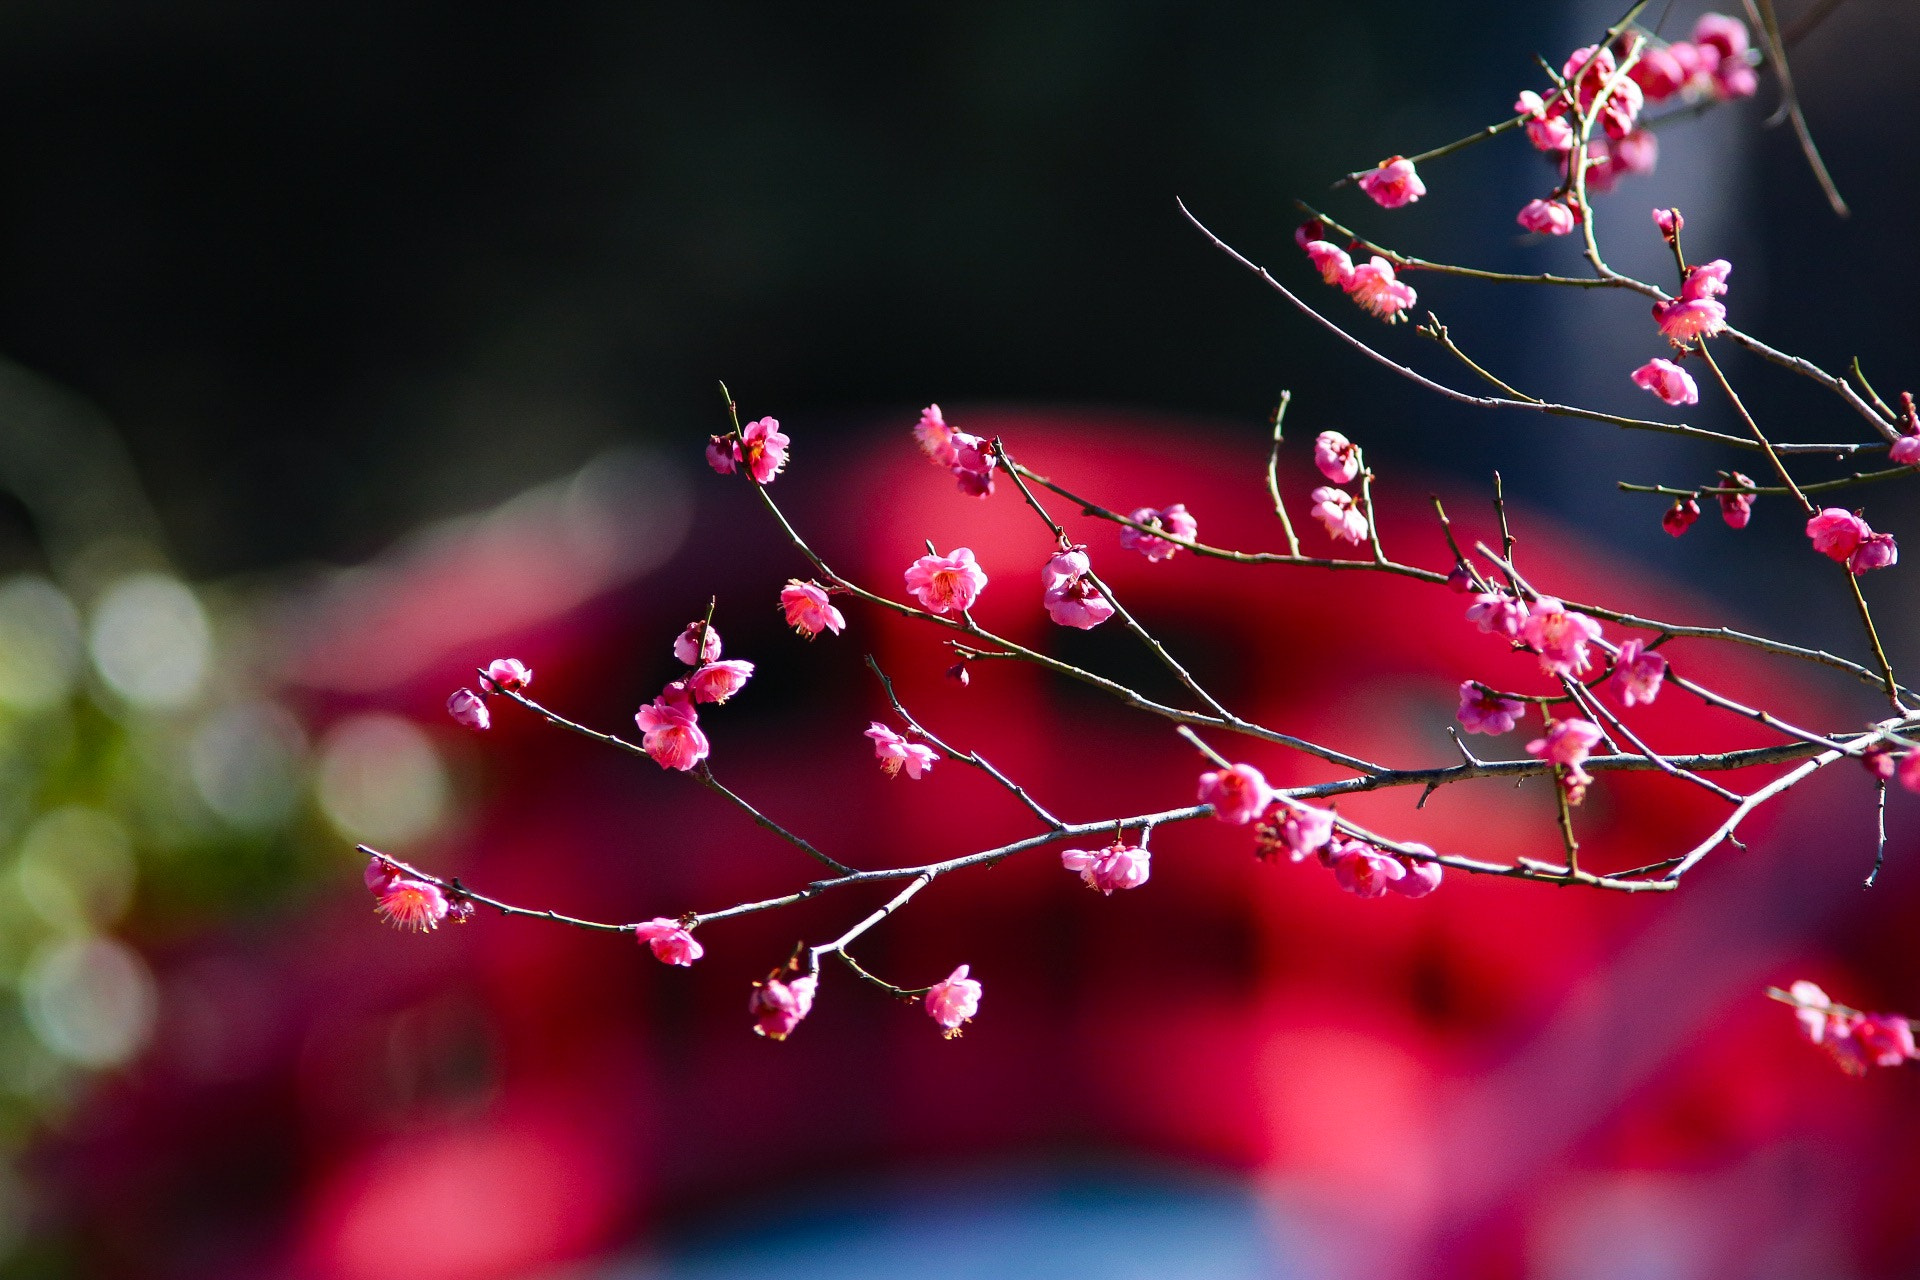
1236	1070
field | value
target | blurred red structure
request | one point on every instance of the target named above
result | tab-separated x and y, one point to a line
1483	1083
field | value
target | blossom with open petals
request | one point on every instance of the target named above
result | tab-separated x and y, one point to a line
896	753
1484	711
808	610
407	903
1342	516
778	1004
1118	866
1837	532
669	940
468	708
1498	613
1682	320
1547	217
950	582
1174	519
1667	380
1393	183
1638	672
1374	287
718	681
953	1001
670	731
697	644
1706	279
1300	829
762	450
1067	590
1238	793
1331	261
934	436
1560	636
1568	742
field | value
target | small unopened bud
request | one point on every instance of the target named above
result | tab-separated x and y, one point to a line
1460	582
469	709
1680	516
1670	223
958	674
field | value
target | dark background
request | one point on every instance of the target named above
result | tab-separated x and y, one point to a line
336	269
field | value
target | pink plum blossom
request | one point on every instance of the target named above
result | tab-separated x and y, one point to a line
720	455
1724	40
412	904
1886	1038
1301	829
1498	613
1422	876
468	708
1550	133
1667	380
1394	183
953	1001
1680	516
895	753
1637	152
762	450
1336	509
1659	73
1238	793
669	940
1879	760
697	644
1118	866
1364	870
1071	598
934	436
1736	508
1681	320
1638	672
973	464
1837	532
1331	261
946	583
1706	279
1670	223
1811	1006
718	681
671	731
1560	636
1905	451
1568	742
1459	581
1876	551
808	611
1337	457
1174	520
778	1004
1547	217
1484	711
1374	287
507	674
1909	771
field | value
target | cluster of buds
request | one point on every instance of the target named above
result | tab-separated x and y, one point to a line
1845	536
503	675
670	725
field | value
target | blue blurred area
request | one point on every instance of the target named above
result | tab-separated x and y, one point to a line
1118	1224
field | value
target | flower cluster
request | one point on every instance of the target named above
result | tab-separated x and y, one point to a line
1843	535
1069	593
1698	311
968	457
1372	284
759	449
1854	1040
1174	520
669	725
1362	868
